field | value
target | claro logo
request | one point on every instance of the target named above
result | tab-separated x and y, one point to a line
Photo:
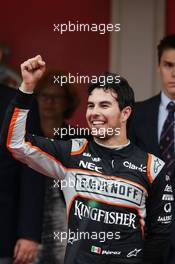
131	166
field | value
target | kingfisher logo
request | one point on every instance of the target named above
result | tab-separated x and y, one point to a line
107	217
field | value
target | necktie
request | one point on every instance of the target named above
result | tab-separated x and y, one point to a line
166	144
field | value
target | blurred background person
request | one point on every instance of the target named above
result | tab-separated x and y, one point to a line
21	202
54	104
152	125
8	76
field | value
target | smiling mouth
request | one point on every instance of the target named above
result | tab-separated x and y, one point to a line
97	122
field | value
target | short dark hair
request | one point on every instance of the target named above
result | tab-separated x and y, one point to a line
125	94
167	42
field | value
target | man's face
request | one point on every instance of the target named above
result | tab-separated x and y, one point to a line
103	113
167	72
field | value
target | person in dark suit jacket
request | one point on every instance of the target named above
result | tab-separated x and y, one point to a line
21	202
149	116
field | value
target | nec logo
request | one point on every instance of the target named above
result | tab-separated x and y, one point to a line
90	166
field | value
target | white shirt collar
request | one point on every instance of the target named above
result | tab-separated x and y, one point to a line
113	147
165	100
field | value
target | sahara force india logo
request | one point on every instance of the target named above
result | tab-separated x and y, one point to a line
115	188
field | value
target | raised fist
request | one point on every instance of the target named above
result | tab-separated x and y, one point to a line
32	70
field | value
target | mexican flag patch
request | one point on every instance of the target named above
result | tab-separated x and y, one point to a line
96	250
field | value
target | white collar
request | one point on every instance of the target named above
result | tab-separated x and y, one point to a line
165	100
113	147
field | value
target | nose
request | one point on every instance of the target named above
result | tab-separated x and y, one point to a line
95	111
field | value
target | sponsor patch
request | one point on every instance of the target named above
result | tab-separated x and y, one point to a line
168	197
133	253
96	250
117	189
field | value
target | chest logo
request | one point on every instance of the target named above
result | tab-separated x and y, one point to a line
90	166
132	166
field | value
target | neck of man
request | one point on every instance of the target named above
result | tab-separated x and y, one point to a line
170	96
48	125
113	141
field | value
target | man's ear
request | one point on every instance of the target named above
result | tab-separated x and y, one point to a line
126	112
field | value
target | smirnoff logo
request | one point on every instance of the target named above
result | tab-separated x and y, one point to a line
117	189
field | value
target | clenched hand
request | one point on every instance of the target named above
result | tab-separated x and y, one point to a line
32	70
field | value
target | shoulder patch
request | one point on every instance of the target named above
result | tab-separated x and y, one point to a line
78	145
154	166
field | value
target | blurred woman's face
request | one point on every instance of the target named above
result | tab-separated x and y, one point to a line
52	102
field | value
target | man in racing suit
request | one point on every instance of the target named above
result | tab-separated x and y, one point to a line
118	197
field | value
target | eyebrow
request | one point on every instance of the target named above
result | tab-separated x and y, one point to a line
169	62
101	102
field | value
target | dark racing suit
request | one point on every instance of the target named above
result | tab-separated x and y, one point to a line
118	200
